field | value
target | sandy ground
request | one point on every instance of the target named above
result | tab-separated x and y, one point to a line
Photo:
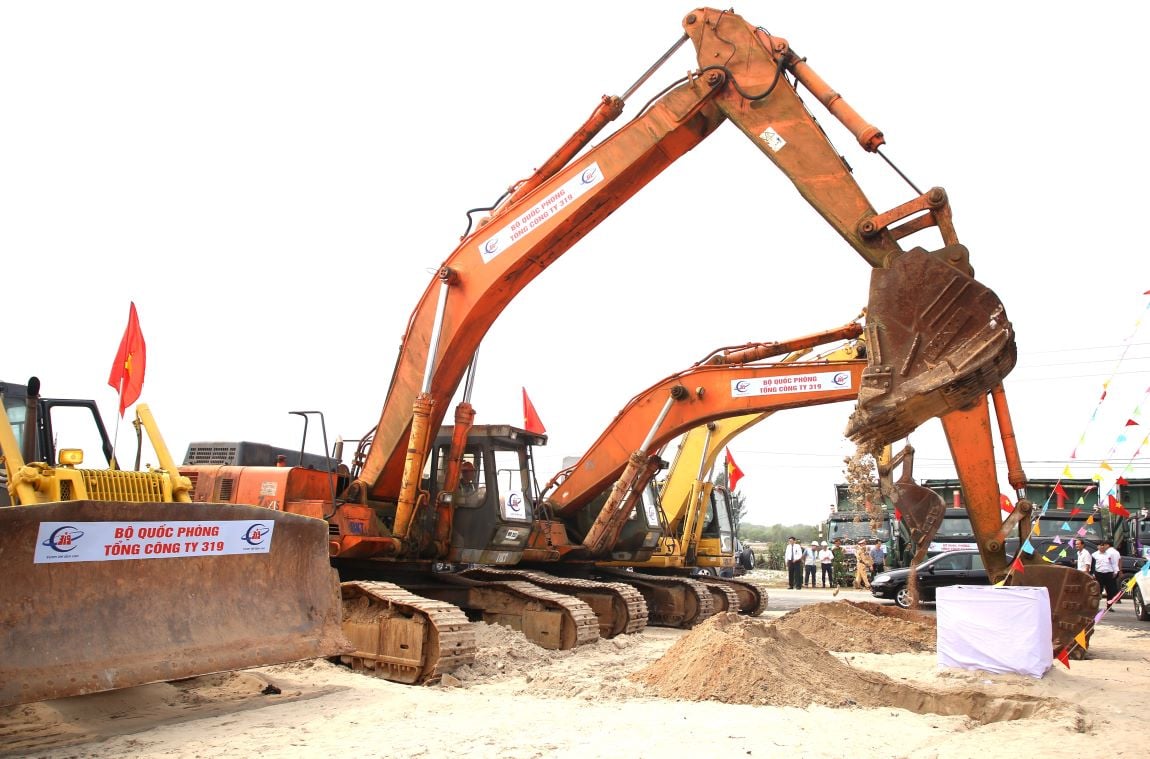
732	686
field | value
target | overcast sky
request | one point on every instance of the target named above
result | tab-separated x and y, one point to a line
274	184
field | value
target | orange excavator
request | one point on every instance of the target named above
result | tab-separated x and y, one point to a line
697	516
938	339
585	508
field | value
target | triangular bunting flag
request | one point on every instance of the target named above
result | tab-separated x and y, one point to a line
1063	657
1080	638
1017	565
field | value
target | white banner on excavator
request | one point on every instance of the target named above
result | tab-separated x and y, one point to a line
531	218
811	382
112	541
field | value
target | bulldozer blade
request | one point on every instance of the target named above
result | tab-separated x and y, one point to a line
1074	598
100	595
921	510
937	340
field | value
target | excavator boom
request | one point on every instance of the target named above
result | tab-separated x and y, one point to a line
932	303
693	397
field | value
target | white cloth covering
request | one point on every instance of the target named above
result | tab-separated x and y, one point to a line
995	629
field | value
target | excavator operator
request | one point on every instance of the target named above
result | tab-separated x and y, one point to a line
468	488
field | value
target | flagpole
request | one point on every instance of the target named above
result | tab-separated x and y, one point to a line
115	462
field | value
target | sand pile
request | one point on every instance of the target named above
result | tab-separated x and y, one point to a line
743	660
863	627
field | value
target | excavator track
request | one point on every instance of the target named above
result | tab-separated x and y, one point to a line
671	601
550	620
401	636
748	598
723	596
621	609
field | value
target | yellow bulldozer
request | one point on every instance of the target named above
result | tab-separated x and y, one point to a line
114	578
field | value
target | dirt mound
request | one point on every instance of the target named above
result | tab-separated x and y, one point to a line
742	660
862	627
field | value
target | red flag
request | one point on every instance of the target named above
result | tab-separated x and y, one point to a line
1116	508
1131	423
127	377
531	420
1017	565
1004	503
1064	657
734	474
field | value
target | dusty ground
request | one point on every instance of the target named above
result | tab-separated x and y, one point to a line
733	686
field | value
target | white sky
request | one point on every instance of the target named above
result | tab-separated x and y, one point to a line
273	184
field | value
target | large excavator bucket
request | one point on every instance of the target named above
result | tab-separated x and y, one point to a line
196	588
937	340
1074	598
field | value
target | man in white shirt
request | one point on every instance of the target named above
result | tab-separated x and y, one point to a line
1085	560
827	561
811	564
793	556
1106	564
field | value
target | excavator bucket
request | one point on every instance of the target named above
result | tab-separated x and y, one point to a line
921	510
101	595
937	340
1074	598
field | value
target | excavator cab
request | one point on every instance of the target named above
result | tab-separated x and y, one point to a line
491	516
717	542
640	535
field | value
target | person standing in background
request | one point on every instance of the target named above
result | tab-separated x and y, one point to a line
811	564
839	565
827	561
862	566
1085	560
793	556
877	559
1106	565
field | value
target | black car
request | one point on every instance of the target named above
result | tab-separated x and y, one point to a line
950	568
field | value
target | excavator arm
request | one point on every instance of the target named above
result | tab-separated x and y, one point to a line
699	450
727	384
1074	595
934	330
